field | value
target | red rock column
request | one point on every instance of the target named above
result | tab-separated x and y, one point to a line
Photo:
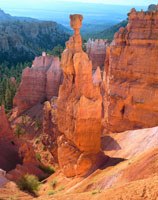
79	110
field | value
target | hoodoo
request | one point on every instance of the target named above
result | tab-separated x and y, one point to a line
79	110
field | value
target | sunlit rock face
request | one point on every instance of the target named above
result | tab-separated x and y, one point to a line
79	109
96	50
39	83
131	75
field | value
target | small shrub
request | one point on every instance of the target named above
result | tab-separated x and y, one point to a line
38	157
52	192
47	169
38	124
19	130
29	183
54	183
61	188
95	192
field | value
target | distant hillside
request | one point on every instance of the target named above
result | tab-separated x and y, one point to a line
109	33
23	38
97	16
7	17
4	16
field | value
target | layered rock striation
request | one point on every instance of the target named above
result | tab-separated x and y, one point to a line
96	50
79	109
39	83
131	75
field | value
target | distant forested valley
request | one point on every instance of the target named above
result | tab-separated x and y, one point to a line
22	41
9	81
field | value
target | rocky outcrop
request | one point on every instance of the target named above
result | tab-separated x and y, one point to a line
131	70
39	83
30	164
79	109
96	50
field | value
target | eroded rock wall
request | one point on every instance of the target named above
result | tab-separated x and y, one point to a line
39	83
96	50
131	75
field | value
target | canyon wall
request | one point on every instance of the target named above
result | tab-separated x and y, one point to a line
96	50
131	75
79	108
39	83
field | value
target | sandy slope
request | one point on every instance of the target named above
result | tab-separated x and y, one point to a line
133	165
130	174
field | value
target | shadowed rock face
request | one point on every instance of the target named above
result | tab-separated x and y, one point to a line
50	130
78	109
96	50
132	74
9	156
39	83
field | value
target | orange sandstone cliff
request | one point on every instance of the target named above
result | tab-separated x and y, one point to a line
39	83
131	75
